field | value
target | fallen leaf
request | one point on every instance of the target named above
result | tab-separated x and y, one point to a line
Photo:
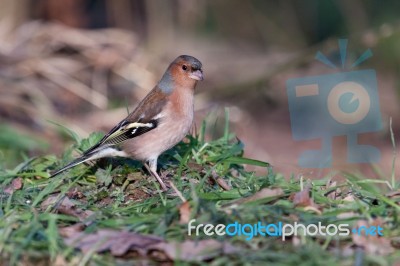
71	230
184	212
195	166
121	242
376	245
302	198
16	184
65	205
57	201
118	242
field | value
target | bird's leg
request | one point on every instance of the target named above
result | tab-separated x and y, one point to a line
152	168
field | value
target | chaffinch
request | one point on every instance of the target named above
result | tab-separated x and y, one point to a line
160	121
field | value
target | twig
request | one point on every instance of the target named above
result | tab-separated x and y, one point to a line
177	191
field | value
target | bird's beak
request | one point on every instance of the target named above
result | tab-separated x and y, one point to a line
197	75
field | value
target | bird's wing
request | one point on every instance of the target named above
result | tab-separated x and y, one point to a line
143	119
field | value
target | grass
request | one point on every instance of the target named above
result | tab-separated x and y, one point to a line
118	194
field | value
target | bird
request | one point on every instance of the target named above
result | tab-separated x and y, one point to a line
160	121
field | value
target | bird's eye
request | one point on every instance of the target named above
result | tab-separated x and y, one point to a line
184	67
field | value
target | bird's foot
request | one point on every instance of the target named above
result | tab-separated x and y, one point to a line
154	173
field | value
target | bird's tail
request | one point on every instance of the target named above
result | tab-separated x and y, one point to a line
74	163
89	156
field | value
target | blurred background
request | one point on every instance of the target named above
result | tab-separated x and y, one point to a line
83	63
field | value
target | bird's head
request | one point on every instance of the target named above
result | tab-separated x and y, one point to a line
184	71
188	67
